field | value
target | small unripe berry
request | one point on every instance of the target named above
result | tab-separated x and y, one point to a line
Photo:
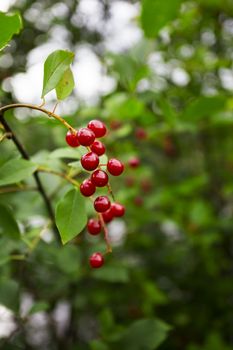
101	204
90	161
87	188
117	209
134	162
96	260
98	148
86	137
99	178
72	139
94	226
115	167
97	127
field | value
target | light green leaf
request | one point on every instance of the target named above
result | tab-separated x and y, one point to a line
71	216
145	334
65	85
39	306
156	14
10	24
55	66
66	152
8	224
16	170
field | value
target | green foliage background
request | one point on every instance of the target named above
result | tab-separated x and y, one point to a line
169	284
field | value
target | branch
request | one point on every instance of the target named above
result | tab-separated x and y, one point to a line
25	155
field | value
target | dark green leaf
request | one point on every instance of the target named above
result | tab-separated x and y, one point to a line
55	66
9	294
71	216
65	85
10	24
8	224
145	334
16	170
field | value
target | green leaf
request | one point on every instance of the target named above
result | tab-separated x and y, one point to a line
98	345
10	24
55	66
8	224
65	85
156	14
16	170
145	334
112	274
66	152
71	216
39	306
9	294
204	107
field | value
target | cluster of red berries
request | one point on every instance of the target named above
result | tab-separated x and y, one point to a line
99	178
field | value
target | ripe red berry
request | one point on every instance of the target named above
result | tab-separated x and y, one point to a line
86	137
117	209
94	226
134	162
87	188
99	178
90	161
72	139
97	127
96	260
115	167
108	215
98	148
101	204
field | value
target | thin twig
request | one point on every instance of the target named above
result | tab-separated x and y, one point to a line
36	175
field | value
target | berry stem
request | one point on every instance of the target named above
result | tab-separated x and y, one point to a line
109	248
57	173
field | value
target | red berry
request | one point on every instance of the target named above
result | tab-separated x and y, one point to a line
141	134
108	215
72	139
86	137
87	188
96	260
99	178
98	148
97	127
101	204
90	161
134	162
115	167
117	209
138	201
94	226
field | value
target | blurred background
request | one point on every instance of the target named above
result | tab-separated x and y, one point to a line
160	75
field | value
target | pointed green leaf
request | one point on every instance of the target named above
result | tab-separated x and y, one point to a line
38	307
16	170
71	216
65	85
156	14
9	293
55	66
8	224
146	334
10	24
